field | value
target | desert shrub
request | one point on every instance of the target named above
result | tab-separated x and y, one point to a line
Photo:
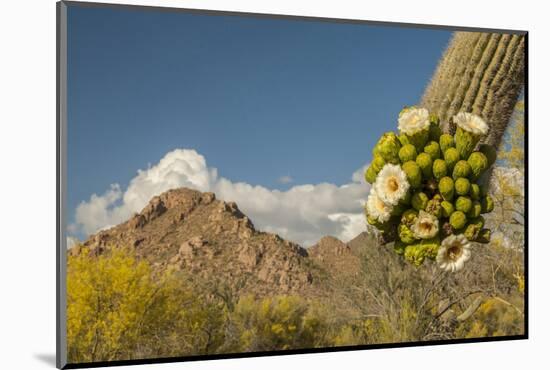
495	317
277	323
118	308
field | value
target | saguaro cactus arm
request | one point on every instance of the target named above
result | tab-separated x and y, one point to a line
482	73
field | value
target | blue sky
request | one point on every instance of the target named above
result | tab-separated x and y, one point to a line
258	98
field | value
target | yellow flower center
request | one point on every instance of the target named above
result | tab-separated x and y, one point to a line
426	226
393	184
454	252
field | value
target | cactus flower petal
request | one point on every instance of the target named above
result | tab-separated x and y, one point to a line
377	209
426	226
391	184
453	253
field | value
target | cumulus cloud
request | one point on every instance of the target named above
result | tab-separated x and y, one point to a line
303	213
285	180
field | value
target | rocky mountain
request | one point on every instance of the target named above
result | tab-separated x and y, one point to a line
336	256
213	240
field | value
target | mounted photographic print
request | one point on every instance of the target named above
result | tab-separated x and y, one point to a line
235	185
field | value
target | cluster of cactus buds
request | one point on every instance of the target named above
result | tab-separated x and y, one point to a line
427	192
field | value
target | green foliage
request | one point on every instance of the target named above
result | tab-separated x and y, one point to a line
278	323
495	317
117	306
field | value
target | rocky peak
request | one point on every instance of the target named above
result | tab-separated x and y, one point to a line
195	233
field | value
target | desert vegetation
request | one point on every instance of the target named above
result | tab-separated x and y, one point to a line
121	307
134	292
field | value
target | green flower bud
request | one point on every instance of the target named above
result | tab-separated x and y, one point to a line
434	207
472	231
374	222
479	163
419	139
370	175
439	169
484	236
446	141
435	129
463	204
407	153
403	139
427	248
409	217
377	163
399	247
384	227
424	161
451	157
457	220
475	191
465	142
490	153
419	201
413	173
447	208
487	204
432	148
462	169
414	255
388	148
447	188
430	247
462	186
405	234
475	211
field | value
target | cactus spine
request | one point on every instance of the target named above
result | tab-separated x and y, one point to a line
480	73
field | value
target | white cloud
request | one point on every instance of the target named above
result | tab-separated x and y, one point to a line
303	213
285	180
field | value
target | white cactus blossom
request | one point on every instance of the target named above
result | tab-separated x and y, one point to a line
377	208
391	184
453	253
471	123
414	120
426	226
